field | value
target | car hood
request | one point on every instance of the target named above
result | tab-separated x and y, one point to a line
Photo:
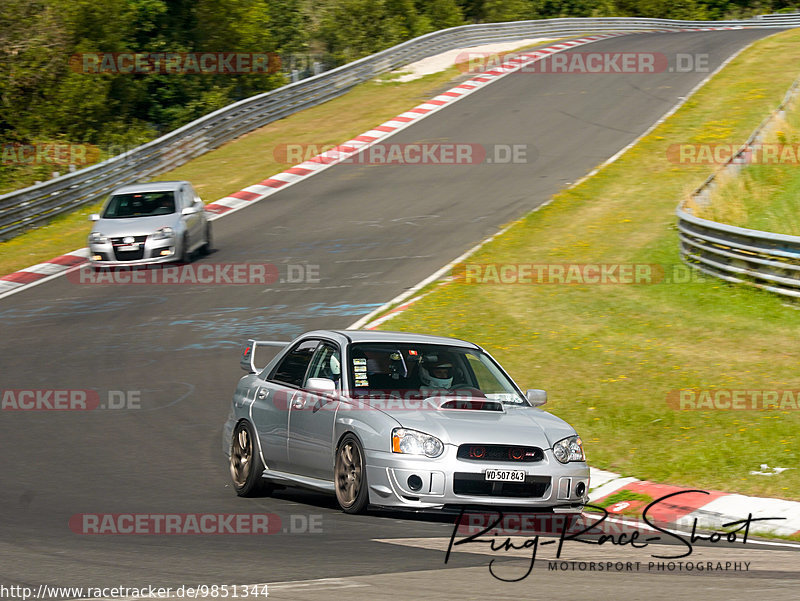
515	425
135	226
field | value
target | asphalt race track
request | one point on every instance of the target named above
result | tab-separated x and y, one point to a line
173	350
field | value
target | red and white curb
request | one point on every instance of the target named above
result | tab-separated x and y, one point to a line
42	272
710	508
37	274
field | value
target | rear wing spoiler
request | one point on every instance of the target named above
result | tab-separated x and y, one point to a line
248	360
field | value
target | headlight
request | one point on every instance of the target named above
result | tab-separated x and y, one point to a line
163	232
97	238
412	442
569	449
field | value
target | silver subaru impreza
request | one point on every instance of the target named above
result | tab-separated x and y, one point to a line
156	222
398	420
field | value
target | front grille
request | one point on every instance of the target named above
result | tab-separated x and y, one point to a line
136	240
500	452
476	485
128	255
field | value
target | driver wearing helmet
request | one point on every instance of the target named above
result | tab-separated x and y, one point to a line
436	375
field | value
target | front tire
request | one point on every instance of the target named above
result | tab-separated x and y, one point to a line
206	248
186	254
350	474
245	463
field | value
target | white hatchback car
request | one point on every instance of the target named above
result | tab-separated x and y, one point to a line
156	222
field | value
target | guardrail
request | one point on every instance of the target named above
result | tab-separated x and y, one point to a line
735	254
33	205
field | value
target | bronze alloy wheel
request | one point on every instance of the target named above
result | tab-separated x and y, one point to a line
246	465
241	456
351	476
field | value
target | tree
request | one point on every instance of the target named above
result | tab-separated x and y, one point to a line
351	29
498	11
33	57
443	13
289	26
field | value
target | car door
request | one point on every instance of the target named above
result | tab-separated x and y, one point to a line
272	400
201	218
192	220
312	417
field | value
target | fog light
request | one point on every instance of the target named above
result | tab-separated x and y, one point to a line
96	257
166	252
580	489
414	482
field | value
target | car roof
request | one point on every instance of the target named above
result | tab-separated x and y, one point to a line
150	187
382	336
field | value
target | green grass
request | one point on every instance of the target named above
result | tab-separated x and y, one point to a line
609	355
764	196
638	502
789	537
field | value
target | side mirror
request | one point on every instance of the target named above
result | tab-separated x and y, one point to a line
321	385
190	210
536	397
94	217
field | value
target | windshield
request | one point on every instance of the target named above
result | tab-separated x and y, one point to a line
414	371
144	204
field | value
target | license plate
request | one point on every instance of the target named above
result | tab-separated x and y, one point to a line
125	247
505	475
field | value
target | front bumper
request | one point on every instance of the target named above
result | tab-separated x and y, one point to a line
448	480
147	252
